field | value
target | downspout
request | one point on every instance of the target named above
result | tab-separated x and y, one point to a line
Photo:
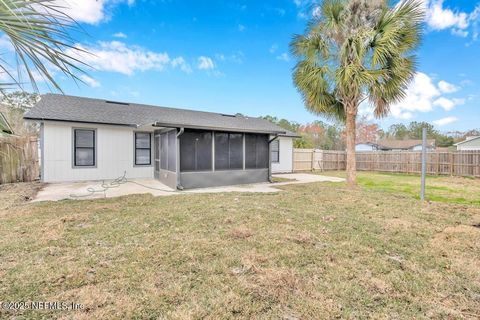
270	158
179	182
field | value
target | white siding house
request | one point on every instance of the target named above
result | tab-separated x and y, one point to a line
285	157
114	153
470	144
85	139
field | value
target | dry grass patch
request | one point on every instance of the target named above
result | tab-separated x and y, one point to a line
316	250
241	233
15	194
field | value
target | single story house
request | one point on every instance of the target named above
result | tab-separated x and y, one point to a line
394	145
92	139
469	144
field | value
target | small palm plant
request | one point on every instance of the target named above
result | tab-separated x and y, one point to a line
353	51
39	33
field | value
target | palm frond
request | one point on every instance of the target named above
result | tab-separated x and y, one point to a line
40	35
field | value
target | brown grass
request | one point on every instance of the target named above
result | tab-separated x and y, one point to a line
311	251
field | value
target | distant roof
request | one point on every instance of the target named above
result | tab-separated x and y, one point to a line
468	139
4	125
78	109
399	144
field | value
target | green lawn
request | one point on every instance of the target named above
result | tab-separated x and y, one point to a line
311	251
439	188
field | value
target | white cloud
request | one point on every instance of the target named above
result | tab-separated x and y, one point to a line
120	35
445	121
89	11
448	104
180	62
205	63
283	57
460	33
116	56
273	48
446	87
420	94
241	27
90	81
235	57
439	18
423	96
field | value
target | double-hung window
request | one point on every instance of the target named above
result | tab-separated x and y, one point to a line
275	151
143	148
84	148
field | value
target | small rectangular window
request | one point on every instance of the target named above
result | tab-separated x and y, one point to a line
84	147
143	148
275	151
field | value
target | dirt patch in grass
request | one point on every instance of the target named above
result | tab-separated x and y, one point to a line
312	251
282	179
18	193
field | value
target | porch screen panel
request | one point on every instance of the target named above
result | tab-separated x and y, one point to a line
196	151
236	151
228	151
157	152
262	152
163	151
256	151
250	151
172	150
221	151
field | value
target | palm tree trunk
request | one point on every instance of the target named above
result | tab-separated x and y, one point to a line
351	158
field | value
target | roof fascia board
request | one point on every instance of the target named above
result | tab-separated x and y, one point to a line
178	125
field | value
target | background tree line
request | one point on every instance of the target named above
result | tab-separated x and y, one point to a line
325	136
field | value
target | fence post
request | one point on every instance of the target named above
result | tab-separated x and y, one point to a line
313	160
452	171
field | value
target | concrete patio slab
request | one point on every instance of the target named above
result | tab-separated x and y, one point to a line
96	190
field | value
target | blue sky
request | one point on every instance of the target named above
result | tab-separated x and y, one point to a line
232	56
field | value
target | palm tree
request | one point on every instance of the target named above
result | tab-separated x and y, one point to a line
355	51
38	31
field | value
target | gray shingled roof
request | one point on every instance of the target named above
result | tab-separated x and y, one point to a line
79	109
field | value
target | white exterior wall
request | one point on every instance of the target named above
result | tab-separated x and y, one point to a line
286	156
364	147
114	153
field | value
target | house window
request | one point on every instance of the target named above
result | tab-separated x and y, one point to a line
228	151
196	151
143	148
84	147
256	151
275	151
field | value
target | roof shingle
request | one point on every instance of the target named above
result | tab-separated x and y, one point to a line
78	109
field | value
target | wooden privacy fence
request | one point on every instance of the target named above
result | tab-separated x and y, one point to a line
18	159
459	163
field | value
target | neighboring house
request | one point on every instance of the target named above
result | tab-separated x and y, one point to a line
394	145
93	139
470	144
5	128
